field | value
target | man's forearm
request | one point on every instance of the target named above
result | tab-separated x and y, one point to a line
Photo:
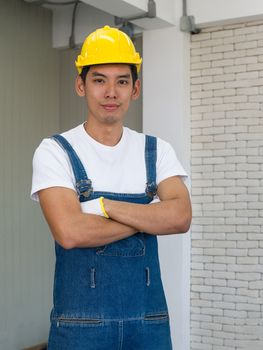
166	217
88	230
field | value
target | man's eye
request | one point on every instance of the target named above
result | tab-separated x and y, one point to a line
123	82
98	81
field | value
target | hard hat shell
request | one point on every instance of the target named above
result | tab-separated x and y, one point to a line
108	45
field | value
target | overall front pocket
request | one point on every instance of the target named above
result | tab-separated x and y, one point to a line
128	247
66	321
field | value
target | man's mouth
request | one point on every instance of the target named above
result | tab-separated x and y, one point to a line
110	106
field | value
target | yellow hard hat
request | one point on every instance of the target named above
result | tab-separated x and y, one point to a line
107	45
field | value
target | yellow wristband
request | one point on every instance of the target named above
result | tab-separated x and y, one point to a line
102	208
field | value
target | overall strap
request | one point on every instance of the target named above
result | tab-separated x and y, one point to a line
150	162
83	183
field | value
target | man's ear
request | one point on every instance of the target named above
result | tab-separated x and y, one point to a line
136	89
80	86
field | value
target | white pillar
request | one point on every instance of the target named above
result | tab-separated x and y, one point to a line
166	114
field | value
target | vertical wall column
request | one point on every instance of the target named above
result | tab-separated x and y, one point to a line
166	114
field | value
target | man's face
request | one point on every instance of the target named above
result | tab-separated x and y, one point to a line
108	90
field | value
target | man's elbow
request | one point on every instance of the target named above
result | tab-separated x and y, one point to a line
182	225
64	237
185	226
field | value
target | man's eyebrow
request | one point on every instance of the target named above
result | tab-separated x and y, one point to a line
127	76
97	74
122	76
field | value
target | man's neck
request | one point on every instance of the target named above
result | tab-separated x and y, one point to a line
108	135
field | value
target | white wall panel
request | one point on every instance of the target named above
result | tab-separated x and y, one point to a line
29	110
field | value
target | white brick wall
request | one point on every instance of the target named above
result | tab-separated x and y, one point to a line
227	188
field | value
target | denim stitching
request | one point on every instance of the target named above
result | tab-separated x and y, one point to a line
92	278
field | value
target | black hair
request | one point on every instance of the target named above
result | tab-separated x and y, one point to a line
134	73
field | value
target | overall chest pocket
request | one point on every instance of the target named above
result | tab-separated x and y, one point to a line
129	247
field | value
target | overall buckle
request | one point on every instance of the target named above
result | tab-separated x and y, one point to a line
84	188
151	189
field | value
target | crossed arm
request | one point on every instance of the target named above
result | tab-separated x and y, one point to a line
71	228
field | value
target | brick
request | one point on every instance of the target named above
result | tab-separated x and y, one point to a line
235	206
247	260
248	106
202	243
215	160
236	159
247	213
255	252
247	244
237	284
224	305
212	100
223	48
222	34
215	267
202	153
256	67
214	115
212	86
246	45
201	51
237	220
224	290
236	129
246	60
234	39
248	307
246	121
235	69
223	321
214	145
212	57
249	228
235	174
200	346
235	99
196	102
235	54
201	80
200	37
235	314
201	94
212	311
224	77
245	31
248	292
215	282
247	75
225	92
248	167
197	288
201	273
212	340
201	65
237	83
236	190
248	182
213	190
223	63
236	252
203	318
201	109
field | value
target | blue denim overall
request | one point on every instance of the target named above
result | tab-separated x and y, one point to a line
110	297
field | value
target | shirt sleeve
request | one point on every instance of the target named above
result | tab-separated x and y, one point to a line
51	168
167	164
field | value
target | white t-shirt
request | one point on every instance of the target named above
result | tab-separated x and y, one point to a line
119	168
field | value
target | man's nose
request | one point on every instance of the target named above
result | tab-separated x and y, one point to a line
111	91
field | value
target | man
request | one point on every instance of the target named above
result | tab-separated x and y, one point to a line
106	192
